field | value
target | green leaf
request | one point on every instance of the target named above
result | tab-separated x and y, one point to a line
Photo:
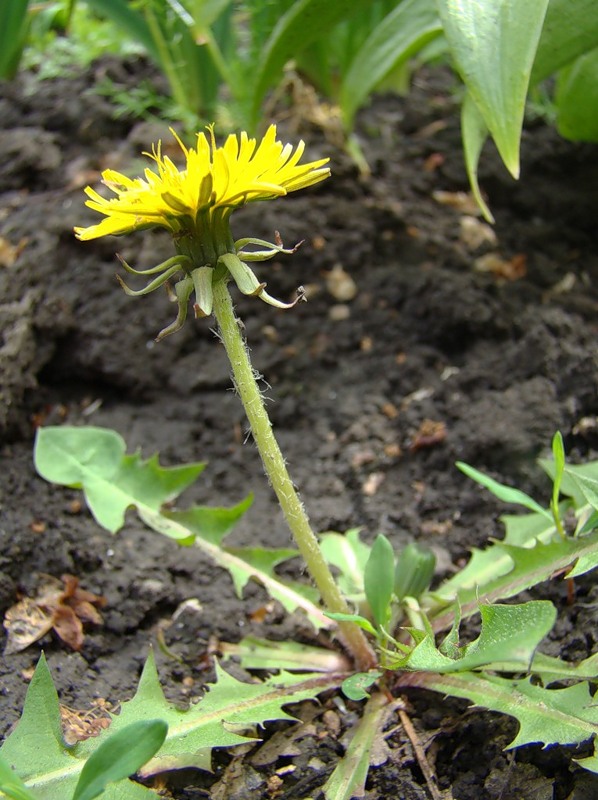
545	716
508	632
363	623
570	30
474	133
576	99
256	653
414	570
349	555
36	750
505	493
221	719
11	785
52	770
302	24
243	564
356	685
121	755
348	778
378	579
525	567
128	19
401	34
493	44
94	459
14	23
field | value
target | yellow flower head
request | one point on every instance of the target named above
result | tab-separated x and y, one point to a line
195	204
184	200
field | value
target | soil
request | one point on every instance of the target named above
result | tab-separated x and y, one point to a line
374	397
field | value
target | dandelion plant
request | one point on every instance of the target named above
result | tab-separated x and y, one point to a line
195	204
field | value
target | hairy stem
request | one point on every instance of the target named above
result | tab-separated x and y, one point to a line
277	472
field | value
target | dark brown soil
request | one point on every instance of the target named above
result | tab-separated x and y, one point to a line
501	363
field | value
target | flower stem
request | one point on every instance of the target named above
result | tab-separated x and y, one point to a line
274	464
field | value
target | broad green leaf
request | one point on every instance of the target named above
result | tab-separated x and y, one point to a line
304	22
349	776
378	579
94	459
570	30
11	785
120	756
13	30
256	653
545	716
401	34
349	555
221	719
474	133
493	44
576	98
505	493
36	750
508	632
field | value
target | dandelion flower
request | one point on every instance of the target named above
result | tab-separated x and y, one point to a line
195	203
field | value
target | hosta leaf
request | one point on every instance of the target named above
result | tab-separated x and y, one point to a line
570	29
545	716
508	632
474	133
221	719
35	750
298	27
403	32
576	98
493	44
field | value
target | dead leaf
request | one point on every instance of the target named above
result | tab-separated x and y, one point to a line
25	623
60	605
68	627
77	726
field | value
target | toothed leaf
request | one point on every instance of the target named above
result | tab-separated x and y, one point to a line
37	752
225	717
